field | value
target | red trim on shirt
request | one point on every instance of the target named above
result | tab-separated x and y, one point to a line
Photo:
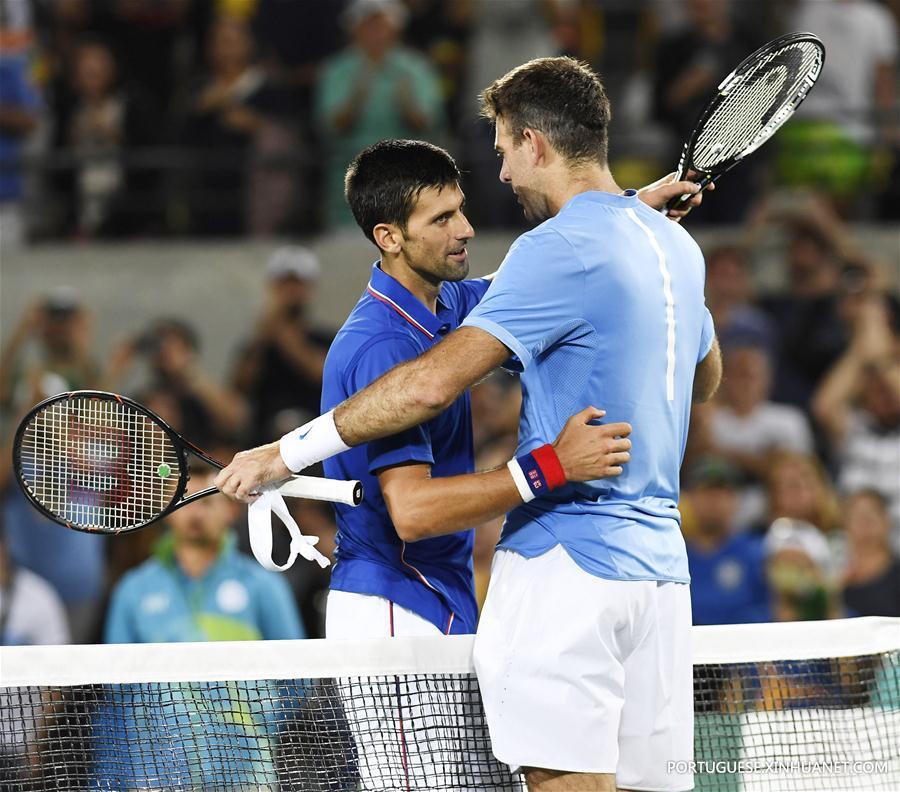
391	304
449	623
410	566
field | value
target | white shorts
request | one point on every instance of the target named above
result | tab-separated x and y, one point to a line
403	731
587	675
349	615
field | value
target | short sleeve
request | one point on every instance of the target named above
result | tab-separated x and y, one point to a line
378	356
533	295
707	335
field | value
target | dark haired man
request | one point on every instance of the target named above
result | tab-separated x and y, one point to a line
404	555
590	580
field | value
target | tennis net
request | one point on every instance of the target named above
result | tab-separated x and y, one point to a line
778	707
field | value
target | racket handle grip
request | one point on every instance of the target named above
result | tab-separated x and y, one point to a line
349	493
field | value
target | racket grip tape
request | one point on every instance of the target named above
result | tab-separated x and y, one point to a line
349	493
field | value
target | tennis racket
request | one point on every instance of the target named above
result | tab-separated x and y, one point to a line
750	106
102	463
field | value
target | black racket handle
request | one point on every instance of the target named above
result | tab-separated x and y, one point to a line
680	202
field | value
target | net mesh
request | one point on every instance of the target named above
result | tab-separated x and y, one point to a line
757	105
98	463
823	723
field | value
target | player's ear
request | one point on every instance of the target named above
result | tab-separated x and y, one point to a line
536	143
388	237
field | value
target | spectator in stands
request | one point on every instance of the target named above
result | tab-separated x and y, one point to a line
858	406
810	335
31	611
852	110
800	571
198	587
19	105
798	488
372	90
746	427
49	352
209	410
279	371
104	124
730	300
727	565
233	110
872	572
690	63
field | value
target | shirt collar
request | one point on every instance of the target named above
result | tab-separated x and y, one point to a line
621	200
397	297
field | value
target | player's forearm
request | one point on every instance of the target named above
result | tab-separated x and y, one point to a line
400	399
437	506
420	389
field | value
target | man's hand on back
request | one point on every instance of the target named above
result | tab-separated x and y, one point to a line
587	451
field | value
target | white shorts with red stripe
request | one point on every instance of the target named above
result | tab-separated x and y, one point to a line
350	615
400	724
586	675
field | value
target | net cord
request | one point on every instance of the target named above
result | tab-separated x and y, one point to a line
22	666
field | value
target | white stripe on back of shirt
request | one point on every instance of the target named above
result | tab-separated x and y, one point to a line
670	304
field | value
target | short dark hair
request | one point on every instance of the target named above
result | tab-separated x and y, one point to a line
561	97
384	180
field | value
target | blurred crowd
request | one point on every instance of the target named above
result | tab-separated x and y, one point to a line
124	118
237	117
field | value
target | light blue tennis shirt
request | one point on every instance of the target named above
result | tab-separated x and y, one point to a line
603	304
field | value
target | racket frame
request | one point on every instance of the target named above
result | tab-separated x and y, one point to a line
180	444
724	89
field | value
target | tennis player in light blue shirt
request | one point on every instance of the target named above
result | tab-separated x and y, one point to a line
556	303
583	647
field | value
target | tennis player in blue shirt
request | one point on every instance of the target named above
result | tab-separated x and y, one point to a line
404	556
583	648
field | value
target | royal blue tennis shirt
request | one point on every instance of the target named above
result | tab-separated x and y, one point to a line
432	577
603	304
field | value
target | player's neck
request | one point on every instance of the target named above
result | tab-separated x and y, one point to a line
424	290
576	181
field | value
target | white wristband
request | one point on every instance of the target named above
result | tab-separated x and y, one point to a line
518	475
311	443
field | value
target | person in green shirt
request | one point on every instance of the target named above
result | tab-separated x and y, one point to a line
372	90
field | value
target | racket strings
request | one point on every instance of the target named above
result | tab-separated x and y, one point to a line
753	110
99	464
